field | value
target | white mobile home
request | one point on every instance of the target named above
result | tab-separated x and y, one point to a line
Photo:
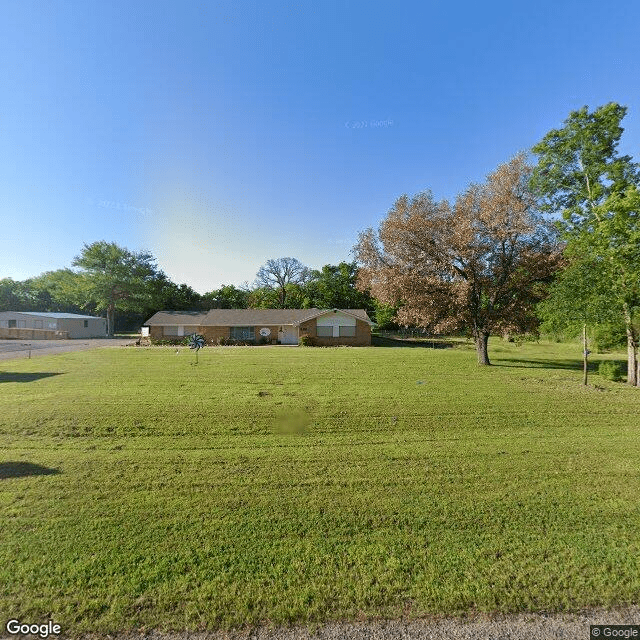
43	325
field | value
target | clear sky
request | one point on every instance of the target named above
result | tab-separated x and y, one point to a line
218	135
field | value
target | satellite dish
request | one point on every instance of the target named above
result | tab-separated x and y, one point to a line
265	331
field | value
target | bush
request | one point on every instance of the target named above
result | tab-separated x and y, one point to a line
170	342
610	371
609	336
306	341
522	338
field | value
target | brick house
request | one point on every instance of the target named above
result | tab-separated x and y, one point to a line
327	327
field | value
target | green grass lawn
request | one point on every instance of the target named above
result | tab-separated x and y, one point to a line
285	485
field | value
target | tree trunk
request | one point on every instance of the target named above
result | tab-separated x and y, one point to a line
110	320
585	355
482	342
632	350
632	358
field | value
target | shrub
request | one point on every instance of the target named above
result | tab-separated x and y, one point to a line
263	340
170	342
306	341
222	341
608	336
522	338
610	371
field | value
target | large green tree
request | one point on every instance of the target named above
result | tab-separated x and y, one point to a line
60	290
582	176
226	297
114	278
334	286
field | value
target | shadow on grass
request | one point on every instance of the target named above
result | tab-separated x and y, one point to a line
423	343
573	365
23	469
14	376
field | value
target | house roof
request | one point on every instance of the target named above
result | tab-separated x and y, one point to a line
359	314
246	317
176	317
55	314
252	317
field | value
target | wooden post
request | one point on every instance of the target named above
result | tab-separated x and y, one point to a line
585	353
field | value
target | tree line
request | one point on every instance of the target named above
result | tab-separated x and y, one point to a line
128	287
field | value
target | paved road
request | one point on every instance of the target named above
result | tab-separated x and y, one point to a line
14	349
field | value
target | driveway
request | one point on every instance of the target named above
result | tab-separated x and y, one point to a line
12	349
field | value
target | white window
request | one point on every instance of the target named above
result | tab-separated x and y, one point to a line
53	325
347	332
37	324
171	330
324	332
22	324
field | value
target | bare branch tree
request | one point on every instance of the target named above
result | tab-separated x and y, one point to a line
276	274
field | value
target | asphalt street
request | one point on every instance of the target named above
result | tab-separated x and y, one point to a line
18	349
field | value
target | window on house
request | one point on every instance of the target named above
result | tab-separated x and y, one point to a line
86	324
324	332
170	330
53	325
22	324
4	324
37	324
347	332
12	324
242	333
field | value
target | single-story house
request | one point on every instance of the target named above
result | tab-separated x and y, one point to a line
285	326
43	325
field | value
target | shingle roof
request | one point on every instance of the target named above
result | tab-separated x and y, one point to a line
59	315
244	317
176	317
252	317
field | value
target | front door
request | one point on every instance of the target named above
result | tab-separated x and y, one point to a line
288	335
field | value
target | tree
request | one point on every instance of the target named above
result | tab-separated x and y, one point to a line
481	264
578	298
115	278
60	290
267	298
334	287
226	297
581	176
277	274
166	294
13	296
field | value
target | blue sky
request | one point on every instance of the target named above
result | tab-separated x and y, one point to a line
218	135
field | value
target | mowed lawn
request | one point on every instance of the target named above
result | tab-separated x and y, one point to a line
281	485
